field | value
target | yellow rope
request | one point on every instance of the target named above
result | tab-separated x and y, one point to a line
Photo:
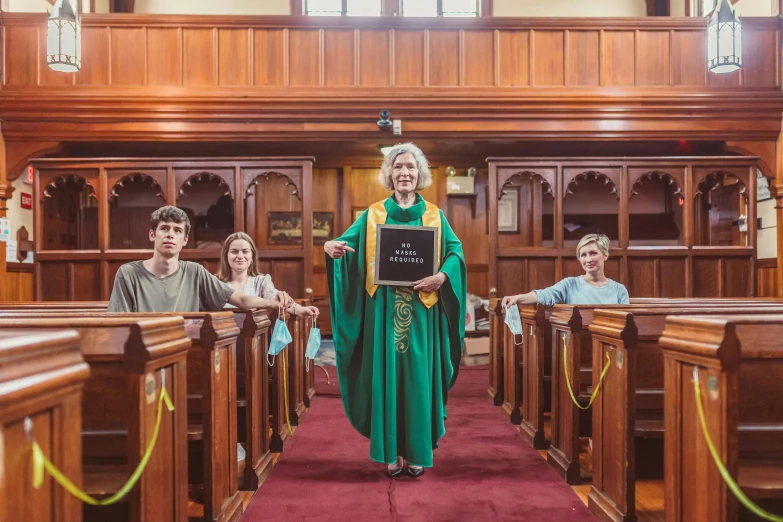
41	462
285	394
568	379
721	468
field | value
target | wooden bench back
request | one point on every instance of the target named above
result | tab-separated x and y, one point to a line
739	361
127	358
495	389
632	394
41	378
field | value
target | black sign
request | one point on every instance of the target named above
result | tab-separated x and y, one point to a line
405	254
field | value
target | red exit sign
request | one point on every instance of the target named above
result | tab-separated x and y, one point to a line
30	175
27	200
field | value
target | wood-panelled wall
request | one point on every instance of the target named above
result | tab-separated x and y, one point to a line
767	278
17	283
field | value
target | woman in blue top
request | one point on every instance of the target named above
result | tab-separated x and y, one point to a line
592	288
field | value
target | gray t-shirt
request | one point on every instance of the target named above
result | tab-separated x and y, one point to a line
190	289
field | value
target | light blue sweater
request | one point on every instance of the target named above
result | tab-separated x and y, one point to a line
575	290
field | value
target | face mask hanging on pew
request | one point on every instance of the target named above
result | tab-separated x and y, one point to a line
514	323
313	344
281	337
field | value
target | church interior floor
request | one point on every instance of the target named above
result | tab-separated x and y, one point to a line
483	470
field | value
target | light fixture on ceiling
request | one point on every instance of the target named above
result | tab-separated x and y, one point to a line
724	39
385	149
64	38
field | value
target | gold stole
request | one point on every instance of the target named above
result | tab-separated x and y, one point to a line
377	214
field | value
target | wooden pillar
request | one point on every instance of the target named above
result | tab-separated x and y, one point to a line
778	193
6	190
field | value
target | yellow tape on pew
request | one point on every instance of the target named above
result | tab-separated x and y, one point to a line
285	394
723	471
568	379
41	462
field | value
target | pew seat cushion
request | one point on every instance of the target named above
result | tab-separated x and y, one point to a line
761	478
195	432
649	428
104	481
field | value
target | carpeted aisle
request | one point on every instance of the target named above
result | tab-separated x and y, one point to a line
483	471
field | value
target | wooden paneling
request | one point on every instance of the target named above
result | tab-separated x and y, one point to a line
304	58
736	277
233	57
163	44
86	281
641	278
706	277
479	52
198	57
269	57
17	283
758	59
338	57
444	58
540	273
672	277
617	67
54	281
583	58
685	45
95	57
652	58
128	68
19	68
766	278
408	58
548	58
374	66
514	58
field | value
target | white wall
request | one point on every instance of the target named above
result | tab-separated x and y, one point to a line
570	8
767	238
753	7
20	217
28	6
225	7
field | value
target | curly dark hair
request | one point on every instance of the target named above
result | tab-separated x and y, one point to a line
170	214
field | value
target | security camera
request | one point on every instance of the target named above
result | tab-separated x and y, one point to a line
385	122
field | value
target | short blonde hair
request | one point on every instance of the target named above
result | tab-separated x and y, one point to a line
600	240
425	176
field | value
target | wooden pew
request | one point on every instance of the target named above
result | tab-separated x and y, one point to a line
627	426
54	305
253	395
569	422
128	357
496	337
512	379
536	372
304	325
740	363
211	405
42	375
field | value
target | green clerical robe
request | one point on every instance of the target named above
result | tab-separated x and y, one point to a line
396	358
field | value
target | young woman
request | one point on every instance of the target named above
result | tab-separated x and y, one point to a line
238	268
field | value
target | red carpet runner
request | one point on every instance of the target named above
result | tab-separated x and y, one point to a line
483	471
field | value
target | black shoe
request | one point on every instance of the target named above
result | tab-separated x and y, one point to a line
394	472
415	473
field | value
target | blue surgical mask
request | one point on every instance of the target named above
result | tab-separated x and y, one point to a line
280	339
514	323
313	344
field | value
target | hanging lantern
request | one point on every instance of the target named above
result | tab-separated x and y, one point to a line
724	39
64	38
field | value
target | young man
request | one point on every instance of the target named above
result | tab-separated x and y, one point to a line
166	284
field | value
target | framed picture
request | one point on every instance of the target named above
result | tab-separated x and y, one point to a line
285	228
508	211
762	187
356	212
323	227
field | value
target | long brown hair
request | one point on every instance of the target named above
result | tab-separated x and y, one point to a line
224	272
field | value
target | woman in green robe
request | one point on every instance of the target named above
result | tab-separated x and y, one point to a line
398	348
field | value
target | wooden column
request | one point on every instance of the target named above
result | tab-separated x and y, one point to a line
5	194
778	192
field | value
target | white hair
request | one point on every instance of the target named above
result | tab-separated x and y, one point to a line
425	176
601	241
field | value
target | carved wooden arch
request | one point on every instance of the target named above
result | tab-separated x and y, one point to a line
253	183
720	175
586	175
200	176
132	177
45	193
19	153
654	174
546	184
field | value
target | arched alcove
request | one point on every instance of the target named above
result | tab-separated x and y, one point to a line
525	211
131	202
720	211
273	209
207	200
655	211
69	214
591	205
